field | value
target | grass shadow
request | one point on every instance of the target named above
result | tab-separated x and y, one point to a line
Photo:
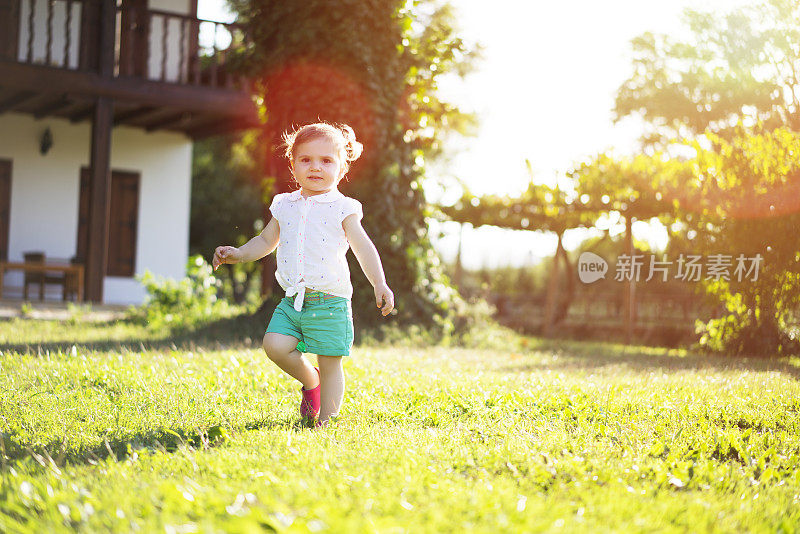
246	329
591	356
122	447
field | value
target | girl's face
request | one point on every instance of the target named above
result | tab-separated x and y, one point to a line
317	166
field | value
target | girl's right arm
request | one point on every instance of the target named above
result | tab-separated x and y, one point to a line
255	249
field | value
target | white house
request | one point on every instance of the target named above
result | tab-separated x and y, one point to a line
99	106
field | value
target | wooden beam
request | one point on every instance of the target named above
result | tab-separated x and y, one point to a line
99	199
52	106
210	129
203	120
218	126
169	121
229	103
17	100
137	114
82	114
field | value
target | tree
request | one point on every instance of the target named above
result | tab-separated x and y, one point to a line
743	66
373	65
747	211
226	205
733	90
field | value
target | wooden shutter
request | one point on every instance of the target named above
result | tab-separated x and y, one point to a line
122	224
5	207
9	29
83	217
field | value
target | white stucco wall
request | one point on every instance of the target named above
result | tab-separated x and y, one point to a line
175	6
45	195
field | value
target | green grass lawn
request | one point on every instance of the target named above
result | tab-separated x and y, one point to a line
128	431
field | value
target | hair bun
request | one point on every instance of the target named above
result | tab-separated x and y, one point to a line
351	146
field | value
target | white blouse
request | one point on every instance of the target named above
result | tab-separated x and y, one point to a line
312	246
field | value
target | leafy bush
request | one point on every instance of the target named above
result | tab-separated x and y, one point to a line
744	190
747	330
185	303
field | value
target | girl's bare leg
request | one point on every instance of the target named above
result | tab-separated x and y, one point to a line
282	350
332	391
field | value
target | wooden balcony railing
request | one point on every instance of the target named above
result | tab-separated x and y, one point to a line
149	43
170	47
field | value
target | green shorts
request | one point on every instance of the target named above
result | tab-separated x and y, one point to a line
324	325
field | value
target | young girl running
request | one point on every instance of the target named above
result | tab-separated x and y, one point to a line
312	229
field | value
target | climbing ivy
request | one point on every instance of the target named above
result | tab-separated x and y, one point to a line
373	64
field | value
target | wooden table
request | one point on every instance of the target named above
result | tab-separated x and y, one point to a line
29	267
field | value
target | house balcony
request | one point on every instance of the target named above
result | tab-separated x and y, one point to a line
164	71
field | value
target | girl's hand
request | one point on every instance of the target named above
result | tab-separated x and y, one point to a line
226	255
384	298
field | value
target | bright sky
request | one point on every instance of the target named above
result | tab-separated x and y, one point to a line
544	91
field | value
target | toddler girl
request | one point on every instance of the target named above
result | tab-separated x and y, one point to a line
312	229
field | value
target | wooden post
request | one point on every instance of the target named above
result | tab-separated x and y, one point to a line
107	36
99	199
552	294
88	35
562	307
100	163
459	270
630	287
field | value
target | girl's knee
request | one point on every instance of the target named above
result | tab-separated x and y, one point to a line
330	362
271	347
278	346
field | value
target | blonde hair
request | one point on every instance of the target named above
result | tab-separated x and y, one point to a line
340	135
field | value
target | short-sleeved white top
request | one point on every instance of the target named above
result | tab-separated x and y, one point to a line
313	245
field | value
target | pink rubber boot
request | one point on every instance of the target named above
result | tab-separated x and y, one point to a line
309	406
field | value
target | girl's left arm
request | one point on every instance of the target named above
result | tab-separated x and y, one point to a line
370	261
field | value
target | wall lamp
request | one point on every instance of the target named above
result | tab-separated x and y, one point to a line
46	141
